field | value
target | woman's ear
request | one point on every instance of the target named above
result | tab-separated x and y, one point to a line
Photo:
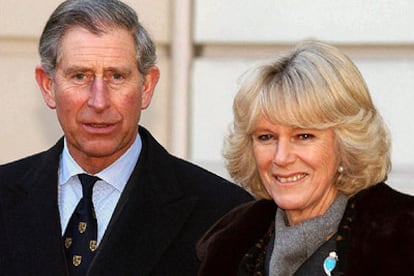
151	80
46	86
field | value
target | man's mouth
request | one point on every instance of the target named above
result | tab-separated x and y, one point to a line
99	125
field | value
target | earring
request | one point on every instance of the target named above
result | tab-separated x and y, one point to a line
340	169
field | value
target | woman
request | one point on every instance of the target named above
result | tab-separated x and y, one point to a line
308	142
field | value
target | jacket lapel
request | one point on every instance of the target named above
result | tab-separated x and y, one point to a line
32	211
148	217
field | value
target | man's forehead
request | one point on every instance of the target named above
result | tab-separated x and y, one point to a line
82	45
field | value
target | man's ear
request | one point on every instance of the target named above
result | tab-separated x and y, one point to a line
46	86
151	80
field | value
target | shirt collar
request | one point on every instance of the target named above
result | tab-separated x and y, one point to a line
117	174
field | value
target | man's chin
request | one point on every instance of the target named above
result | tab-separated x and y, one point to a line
98	149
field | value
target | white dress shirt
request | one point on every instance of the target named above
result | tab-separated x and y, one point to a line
106	192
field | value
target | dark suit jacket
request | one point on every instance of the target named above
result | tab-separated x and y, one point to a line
166	206
375	237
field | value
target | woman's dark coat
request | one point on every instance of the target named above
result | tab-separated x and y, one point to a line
375	237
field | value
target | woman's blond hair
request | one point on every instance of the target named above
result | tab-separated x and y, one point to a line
314	86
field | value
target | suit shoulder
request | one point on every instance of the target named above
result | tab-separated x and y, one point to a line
44	159
189	169
202	176
209	187
20	164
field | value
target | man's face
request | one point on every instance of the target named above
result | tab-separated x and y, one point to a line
98	94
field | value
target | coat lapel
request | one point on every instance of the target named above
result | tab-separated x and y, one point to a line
150	213
32	211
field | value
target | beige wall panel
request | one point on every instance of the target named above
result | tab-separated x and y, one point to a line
25	18
351	21
214	85
28	126
155	16
156	118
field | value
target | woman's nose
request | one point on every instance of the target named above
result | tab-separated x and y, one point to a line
283	153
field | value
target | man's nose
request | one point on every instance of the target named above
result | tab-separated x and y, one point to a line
99	97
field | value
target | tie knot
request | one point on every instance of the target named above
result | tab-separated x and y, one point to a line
87	182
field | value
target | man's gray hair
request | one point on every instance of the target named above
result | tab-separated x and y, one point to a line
97	16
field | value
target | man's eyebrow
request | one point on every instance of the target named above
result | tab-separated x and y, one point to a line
122	69
75	68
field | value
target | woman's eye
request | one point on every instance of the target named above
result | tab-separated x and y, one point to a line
264	137
305	136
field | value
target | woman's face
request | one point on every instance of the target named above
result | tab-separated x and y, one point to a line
297	167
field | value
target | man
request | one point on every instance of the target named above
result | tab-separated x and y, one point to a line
148	208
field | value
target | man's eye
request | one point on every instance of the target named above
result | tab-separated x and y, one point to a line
117	76
79	76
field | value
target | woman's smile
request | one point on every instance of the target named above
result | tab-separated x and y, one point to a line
290	179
